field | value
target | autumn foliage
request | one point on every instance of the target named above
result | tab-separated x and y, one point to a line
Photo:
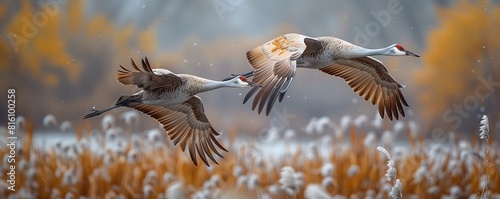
462	54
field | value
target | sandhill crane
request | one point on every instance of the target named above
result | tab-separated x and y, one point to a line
171	100
275	62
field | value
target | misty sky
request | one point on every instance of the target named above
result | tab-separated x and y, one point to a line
186	30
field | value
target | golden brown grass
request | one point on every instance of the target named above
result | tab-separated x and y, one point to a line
105	173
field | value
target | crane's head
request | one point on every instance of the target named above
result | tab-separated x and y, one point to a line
242	81
398	49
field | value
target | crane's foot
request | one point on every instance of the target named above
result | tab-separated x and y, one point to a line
94	112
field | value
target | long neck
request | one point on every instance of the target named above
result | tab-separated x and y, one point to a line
363	52
202	85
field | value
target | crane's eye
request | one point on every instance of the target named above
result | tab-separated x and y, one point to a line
400	47
243	78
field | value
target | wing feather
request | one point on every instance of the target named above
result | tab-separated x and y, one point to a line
187	125
147	78
370	79
274	65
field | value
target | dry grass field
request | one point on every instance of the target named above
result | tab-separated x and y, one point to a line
336	163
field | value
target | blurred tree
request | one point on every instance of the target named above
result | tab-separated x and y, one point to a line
460	79
57	54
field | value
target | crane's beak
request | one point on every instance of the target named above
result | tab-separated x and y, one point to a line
253	84
247	75
409	53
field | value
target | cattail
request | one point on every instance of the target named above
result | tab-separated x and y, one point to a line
326	140
273	189
398	127
360	120
421	173
215	179
391	172
433	190
289	134
31	174
120	147
291	182
253	181
370	193
387	139
314	191
324	122
168	177
454	167
484	135
208	185
484	182
397	190
84	145
345	121
414	128
484	128
147	190
151	177
311	126
129	117
107	122
55	193
23	165
241	180
202	194
101	173
49	120
136	141
70	177
20	123
154	135
312	150
353	170
65	126
328	182
35	188
176	191
370	140
474	196
327	169
259	162
237	171
272	135
69	195
110	194
112	134
377	122
456	192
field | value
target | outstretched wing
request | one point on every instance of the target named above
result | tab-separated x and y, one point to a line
369	78
148	79
274	65
187	124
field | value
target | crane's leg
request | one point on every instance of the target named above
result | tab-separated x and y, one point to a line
249	74
95	112
122	101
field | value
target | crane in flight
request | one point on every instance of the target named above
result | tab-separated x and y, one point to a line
171	100
276	61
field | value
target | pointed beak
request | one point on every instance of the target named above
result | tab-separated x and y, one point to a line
409	53
247	75
253	84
